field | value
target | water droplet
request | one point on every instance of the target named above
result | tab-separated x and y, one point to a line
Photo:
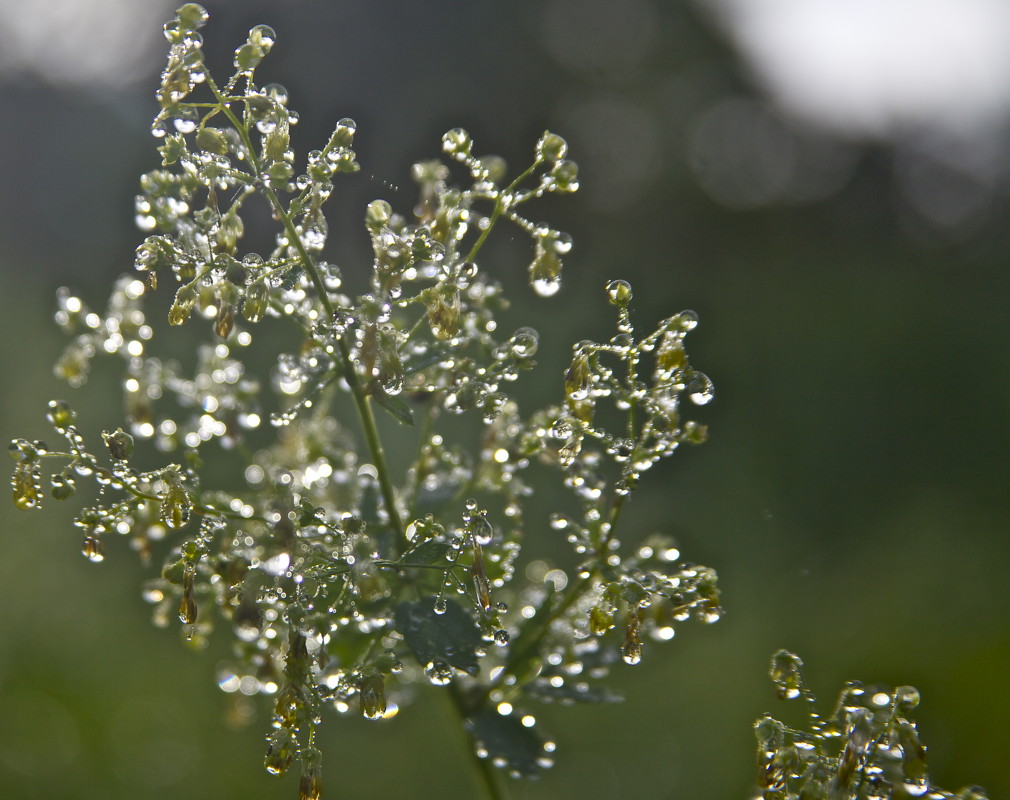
601	620
907	697
562	428
63	485
263	36
700	389
25	485
457	144
187	607
438	672
687	320
343	134
619	293
310	784
23	451
120	444
547	286
372	697
281	746
578	378
92	549
551	148
524	343
786	673
61	415
483	532
186	120
276	92
632	653
440	606
176	507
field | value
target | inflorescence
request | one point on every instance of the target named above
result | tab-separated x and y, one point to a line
349	571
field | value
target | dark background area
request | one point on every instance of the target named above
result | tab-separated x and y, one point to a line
853	496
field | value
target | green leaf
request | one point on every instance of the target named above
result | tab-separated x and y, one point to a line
568	693
451	638
429	357
395	405
425	554
508	739
433	499
309	514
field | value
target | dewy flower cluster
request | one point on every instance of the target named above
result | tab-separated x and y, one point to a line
867	748
348	576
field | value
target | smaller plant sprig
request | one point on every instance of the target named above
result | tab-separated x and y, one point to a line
348	579
868	748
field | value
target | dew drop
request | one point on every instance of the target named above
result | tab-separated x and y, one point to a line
619	293
61	415
632	653
546	286
92	549
457	143
687	320
175	507
25	486
264	36
281	747
562	428
700	389
483	532
524	343
22	451
438	673
907	697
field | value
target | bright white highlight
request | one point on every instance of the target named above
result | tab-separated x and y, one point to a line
879	66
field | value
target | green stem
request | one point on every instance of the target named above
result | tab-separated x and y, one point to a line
499	208
361	398
289	226
123	484
363	403
532	638
484	771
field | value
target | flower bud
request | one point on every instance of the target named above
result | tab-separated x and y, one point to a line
281	746
565	175
61	415
120	444
457	144
175	506
185	299
372	697
310	786
25	486
254	304
551	148
578	378
211	140
443	311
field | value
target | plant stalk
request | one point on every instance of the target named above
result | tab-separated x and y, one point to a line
361	399
485	773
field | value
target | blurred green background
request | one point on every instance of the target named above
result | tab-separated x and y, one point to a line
852	287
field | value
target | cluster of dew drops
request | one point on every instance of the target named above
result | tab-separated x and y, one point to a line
343	588
867	748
